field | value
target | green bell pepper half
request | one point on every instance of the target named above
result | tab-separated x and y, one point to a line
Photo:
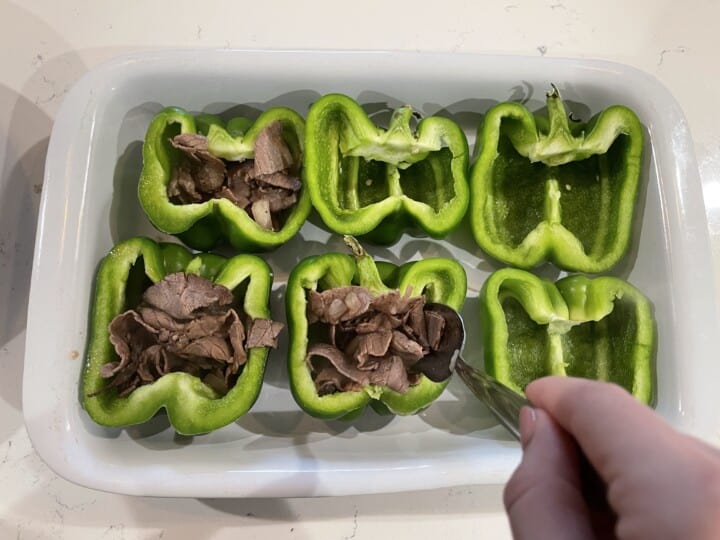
600	328
544	189
439	279
203	225
192	406
365	180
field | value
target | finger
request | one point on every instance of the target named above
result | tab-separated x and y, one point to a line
657	479
711	452
611	427
543	498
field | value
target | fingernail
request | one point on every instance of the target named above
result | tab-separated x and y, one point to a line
527	425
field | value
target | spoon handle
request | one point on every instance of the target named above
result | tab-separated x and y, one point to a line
504	403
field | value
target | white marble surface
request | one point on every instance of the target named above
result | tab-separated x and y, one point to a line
47	46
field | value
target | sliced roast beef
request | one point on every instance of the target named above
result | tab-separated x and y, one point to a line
260	212
264	186
405	347
263	333
363	346
180	295
208	172
271	152
182	186
330	380
435	324
371	339
339	304
281	180
241	174
415	325
184	323
391	372
277	199
193	144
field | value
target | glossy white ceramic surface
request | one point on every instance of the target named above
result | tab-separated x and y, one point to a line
89	203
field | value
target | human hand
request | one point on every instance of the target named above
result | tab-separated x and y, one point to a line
598	464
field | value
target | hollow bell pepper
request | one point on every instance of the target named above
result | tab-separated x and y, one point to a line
203	225
440	280
365	180
192	406
600	328
545	189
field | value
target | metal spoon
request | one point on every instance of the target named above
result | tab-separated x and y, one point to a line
439	365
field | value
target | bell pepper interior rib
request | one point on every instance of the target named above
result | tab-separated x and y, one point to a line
600	350
424	181
603	350
580	196
527	344
601	328
365	182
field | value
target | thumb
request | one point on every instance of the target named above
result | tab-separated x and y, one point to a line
544	498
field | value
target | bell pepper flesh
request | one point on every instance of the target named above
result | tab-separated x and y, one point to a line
202	226
440	280
192	406
367	181
544	189
600	328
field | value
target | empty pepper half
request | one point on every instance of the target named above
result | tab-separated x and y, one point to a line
203	180
545	189
600	328
365	180
174	330
372	294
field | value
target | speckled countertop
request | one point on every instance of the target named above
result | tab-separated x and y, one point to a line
49	45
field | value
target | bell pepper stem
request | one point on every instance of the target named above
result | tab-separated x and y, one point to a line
368	274
400	124
557	114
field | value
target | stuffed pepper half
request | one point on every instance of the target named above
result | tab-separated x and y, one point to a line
203	180
359	331
169	329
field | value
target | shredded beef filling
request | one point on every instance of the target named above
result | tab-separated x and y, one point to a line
264	187
184	323
370	340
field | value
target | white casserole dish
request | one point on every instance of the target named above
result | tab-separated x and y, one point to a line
89	202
